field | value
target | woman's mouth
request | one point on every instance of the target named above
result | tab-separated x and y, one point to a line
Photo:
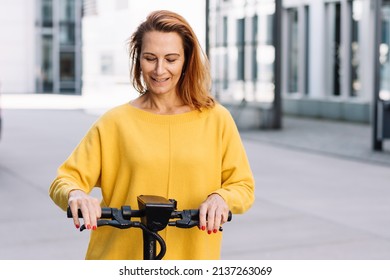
160	80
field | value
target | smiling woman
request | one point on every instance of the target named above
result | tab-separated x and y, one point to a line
172	36
172	141
162	60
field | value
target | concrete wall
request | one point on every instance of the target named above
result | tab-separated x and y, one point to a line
17	46
328	108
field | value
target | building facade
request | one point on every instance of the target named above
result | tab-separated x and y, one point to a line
327	55
41	46
58	41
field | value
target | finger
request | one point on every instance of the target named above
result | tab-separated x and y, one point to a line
74	210
99	210
98	215
95	213
224	217
217	220
211	219
202	217
86	215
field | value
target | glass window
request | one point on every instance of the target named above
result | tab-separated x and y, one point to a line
248	46
47	63
255	28
255	21
67	66
47	13
226	71
292	49
67	33
265	55
333	11
67	22
355	47
270	29
225	31
241	49
67	11
307	50
384	91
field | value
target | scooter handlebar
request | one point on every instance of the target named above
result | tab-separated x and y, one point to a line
184	218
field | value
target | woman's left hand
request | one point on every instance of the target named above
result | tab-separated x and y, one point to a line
213	213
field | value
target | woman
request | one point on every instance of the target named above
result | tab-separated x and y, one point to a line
174	141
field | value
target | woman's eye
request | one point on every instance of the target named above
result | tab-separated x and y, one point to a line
171	60
150	59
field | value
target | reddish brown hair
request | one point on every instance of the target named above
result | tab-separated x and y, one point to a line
194	85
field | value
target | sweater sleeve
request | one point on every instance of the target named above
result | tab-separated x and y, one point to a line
237	186
81	170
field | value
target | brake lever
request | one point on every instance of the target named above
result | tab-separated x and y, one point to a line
117	221
190	218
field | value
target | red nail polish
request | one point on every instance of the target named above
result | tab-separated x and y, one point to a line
215	231
77	226
94	228
209	231
203	228
88	226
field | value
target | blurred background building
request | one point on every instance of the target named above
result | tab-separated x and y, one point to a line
328	55
40	48
328	50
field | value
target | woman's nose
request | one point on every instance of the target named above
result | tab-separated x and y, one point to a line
160	67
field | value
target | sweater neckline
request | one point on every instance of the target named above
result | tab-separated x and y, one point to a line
168	119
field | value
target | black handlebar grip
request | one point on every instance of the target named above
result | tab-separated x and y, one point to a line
106	213
230	215
69	213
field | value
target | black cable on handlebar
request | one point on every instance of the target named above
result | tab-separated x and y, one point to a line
160	240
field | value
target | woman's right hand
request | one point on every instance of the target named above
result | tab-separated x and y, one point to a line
89	207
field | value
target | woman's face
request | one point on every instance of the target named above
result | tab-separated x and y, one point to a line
162	60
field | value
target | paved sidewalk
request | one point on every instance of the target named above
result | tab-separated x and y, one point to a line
321	192
334	138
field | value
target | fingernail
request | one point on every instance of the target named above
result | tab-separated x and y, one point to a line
209	231
203	228
94	228
215	231
77	226
88	226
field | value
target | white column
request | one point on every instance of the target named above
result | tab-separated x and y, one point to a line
317	49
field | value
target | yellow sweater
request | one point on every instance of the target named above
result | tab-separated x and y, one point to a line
130	152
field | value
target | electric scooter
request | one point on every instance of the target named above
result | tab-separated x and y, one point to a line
155	213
